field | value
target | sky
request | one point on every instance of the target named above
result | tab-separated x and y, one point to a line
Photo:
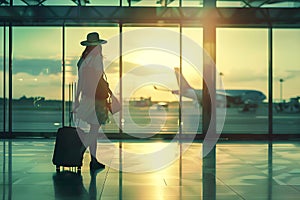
241	56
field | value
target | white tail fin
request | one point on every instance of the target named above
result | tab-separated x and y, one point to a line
185	85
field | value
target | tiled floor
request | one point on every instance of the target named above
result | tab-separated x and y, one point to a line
154	171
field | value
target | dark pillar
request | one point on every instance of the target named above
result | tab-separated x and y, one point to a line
208	107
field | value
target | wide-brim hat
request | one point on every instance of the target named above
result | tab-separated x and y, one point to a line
92	39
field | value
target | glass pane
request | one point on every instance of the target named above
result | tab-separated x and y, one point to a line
242	61
36	79
192	79
148	79
104	3
286	93
74	35
66	2
155	3
192	3
231	4
258	4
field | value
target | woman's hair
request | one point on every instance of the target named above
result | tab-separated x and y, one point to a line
86	52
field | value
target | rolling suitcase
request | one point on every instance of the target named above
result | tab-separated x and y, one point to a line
69	149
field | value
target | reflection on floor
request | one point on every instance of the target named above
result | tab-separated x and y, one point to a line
252	170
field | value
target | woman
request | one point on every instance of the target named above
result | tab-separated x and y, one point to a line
91	110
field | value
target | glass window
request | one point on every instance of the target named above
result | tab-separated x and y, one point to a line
104	3
148	79
286	73
155	3
192	3
164	3
192	79
258	4
230	3
36	79
66	2
242	63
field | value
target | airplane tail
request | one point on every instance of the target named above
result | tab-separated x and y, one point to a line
185	85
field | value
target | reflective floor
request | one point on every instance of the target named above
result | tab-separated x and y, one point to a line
145	170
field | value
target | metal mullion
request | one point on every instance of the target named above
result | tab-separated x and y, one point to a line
180	82
69	103
180	112
10	80
10	76
270	84
63	75
120	76
4	80
121	111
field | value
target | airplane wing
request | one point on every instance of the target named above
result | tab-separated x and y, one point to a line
224	93
161	89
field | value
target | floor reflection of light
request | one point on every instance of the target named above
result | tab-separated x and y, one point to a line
149	157
56	124
143	148
149	185
163	128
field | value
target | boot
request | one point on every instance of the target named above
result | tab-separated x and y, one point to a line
95	165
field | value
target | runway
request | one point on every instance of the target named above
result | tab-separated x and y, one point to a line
140	120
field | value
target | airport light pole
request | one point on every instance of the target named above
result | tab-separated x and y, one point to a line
281	88
220	84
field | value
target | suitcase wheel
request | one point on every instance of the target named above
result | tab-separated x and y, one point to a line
79	170
57	168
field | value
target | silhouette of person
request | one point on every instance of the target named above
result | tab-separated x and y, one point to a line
90	101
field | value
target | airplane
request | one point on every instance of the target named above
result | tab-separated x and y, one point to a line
293	106
248	98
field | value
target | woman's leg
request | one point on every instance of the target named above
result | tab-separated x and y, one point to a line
101	113
93	134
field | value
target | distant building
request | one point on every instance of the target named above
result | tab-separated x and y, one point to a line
141	102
